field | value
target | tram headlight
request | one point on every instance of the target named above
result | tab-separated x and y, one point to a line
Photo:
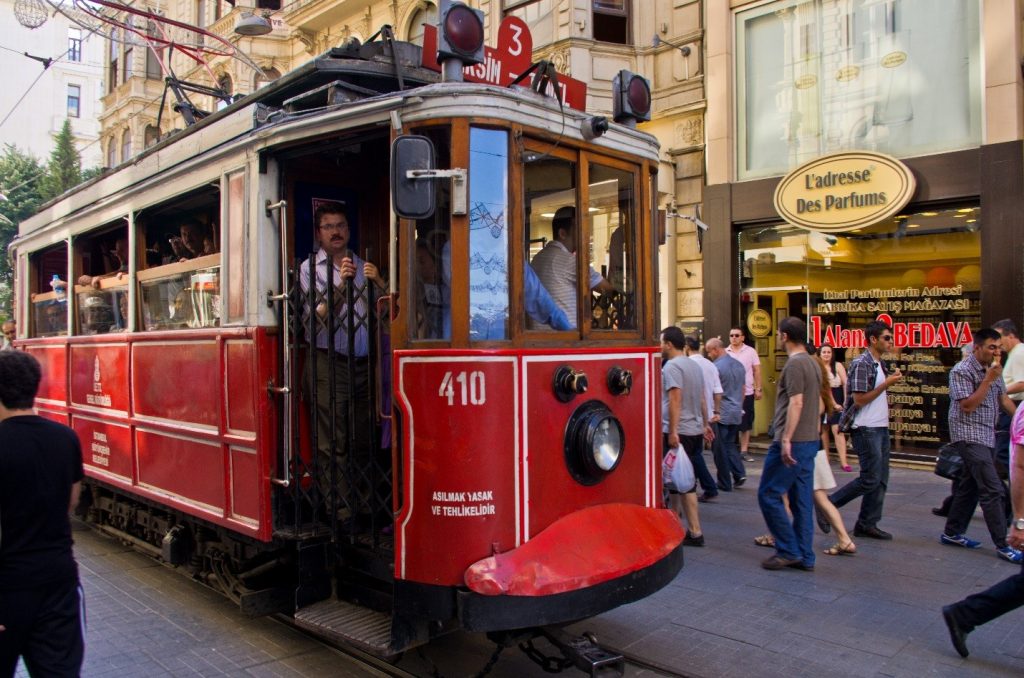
594	443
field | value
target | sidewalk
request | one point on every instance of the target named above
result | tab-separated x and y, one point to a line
873	614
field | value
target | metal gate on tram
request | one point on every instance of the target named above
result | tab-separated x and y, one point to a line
335	433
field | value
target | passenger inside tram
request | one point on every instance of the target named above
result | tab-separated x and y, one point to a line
555	265
102	291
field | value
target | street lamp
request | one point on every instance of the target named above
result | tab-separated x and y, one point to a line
252	25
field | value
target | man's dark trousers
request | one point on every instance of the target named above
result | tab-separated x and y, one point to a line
872	446
726	452
983	607
978	483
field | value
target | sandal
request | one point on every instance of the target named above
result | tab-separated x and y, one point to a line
847	468
838	549
765	540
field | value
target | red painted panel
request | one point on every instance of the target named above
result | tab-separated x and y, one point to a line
53	361
99	376
551	491
192	469
106	447
245	483
240	387
460	486
177	381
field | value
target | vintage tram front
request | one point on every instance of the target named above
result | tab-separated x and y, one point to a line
491	468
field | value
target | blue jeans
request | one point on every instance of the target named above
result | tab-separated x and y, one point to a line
726	451
872	446
792	540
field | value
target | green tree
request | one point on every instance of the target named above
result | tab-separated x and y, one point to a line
19	183
64	169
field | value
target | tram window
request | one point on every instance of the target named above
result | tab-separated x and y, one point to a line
101	292
432	260
612	247
180	299
488	234
551	226
179	287
48	291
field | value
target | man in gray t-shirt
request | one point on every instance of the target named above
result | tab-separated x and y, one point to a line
684	417
789	466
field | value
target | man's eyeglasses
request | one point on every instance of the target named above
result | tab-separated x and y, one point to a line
735	335
886	337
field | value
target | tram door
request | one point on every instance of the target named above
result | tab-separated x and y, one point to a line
336	349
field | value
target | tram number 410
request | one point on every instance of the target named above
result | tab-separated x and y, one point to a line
470	386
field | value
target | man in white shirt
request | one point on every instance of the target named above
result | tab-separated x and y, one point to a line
713	401
748	357
555	265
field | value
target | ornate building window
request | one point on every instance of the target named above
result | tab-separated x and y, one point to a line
611	21
426	14
126	145
74	44
74	101
264	78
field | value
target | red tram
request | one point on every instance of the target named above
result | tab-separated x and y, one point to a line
490	472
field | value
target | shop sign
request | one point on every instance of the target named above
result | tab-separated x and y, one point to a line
844	191
759	323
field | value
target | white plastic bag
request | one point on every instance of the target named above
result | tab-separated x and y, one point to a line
677	471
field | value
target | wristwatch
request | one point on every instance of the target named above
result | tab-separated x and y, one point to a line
1018	524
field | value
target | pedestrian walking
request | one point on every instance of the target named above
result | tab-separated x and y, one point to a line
867	381
789	465
41	605
980	608
747	355
725	448
976	393
684	417
713	402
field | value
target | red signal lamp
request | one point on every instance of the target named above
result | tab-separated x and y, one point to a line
631	98
460	34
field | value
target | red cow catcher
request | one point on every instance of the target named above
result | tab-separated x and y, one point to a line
500	474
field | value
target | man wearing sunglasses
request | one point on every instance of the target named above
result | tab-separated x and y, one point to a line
867	381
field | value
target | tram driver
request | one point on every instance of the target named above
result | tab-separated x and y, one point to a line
555	265
333	233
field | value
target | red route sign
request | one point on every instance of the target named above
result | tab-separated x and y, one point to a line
506	63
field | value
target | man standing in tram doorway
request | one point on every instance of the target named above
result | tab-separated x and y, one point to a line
330	353
41	604
747	355
867	383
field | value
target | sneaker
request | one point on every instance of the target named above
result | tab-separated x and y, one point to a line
1011	554
747	458
739	481
968	543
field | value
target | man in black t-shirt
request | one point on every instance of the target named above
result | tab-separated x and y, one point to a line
41	605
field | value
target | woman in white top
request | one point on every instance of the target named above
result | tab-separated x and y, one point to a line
837	381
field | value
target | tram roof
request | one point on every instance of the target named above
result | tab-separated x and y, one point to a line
342	83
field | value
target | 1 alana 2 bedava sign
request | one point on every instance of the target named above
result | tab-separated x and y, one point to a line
844	191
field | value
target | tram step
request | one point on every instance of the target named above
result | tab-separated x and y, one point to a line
345	622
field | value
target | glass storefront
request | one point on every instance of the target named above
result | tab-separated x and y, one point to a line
820	76
920	270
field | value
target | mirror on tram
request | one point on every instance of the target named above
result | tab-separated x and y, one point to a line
413	197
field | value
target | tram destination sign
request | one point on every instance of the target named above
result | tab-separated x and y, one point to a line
507	62
844	191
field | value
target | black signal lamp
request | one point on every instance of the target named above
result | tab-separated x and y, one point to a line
631	98
460	34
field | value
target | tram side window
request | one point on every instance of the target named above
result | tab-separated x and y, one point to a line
179	287
612	210
432	261
101	290
49	290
